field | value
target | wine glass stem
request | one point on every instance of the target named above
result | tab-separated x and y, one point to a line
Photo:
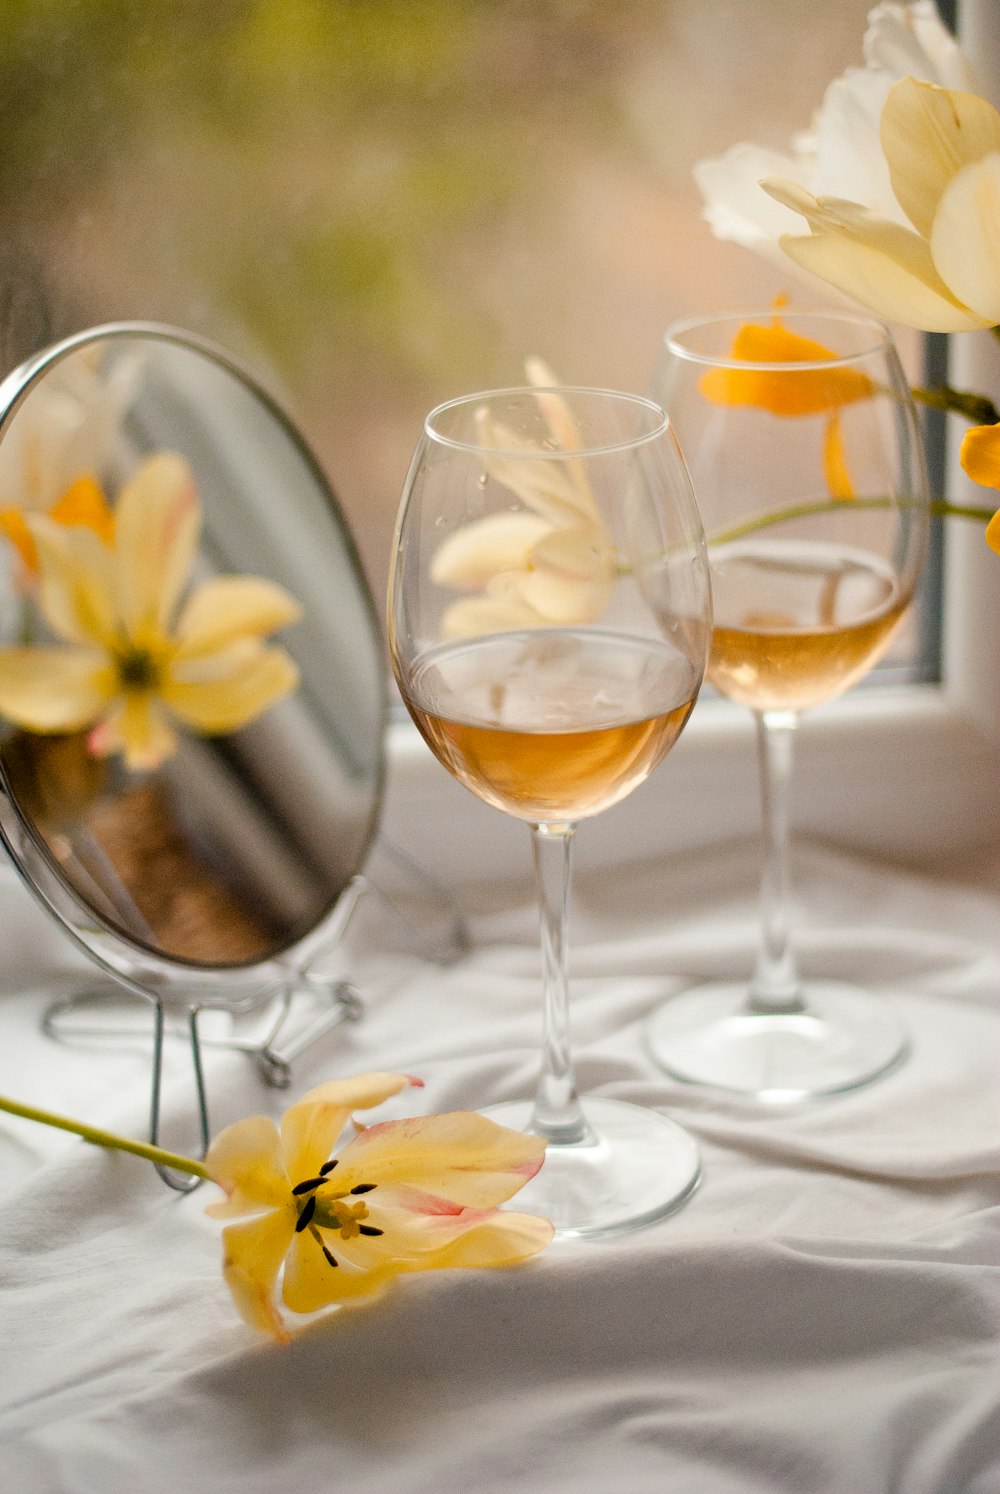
775	986
557	1113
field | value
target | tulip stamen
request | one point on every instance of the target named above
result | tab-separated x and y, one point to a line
308	1210
308	1185
364	1188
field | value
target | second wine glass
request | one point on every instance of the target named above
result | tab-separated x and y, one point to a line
801	437
549	616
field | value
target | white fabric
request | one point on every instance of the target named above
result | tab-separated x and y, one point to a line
824	1315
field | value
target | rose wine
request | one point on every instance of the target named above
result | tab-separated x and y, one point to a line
797	623
551	725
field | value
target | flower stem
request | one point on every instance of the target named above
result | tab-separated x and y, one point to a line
769	517
107	1139
975	407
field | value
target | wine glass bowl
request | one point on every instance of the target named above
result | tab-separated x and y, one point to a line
801	438
549	618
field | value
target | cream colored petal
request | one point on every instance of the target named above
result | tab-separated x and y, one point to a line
309	1129
247	1162
138	728
888	285
76	585
965	241
459	1156
235	694
311	1282
53	689
928	135
473	617
546	484
232	607
471	556
253	1253
157	523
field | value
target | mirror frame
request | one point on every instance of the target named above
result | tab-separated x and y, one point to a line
153	975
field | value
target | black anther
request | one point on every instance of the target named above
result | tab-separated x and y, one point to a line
306	1215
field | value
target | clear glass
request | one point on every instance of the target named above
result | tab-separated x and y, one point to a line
801	438
549	617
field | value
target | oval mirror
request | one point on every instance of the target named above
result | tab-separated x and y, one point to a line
192	698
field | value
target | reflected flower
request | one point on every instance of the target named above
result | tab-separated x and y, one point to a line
410	1195
790	391
133	660
58	444
548	565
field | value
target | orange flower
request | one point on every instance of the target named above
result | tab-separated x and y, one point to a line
980	457
781	386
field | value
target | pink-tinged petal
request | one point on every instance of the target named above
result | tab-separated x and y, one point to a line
460	1156
929	134
233	688
53	689
311	1128
76	592
253	1253
136	726
466	1237
311	1282
230	608
965	240
246	1161
157	523
477	552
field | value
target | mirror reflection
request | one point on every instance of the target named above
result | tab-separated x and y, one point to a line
192	704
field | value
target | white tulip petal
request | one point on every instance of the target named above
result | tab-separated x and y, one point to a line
734	205
965	240
928	135
911	41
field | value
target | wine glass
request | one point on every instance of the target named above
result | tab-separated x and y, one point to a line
801	439
549	617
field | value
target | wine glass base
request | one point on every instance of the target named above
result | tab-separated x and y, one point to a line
640	1167
846	1038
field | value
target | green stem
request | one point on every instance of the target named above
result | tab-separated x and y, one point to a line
765	520
106	1138
975	407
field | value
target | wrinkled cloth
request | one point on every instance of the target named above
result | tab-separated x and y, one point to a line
823	1315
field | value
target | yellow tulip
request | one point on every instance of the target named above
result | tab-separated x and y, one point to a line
409	1195
980	457
133	658
942	147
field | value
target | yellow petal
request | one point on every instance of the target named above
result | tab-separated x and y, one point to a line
501	1239
980	455
253	1253
12	524
993	532
311	1282
157	522
309	1130
84	503
471	556
53	689
136	726
460	1156
886	283
929	134
232	688
965	241
232	607
434	1242
838	478
76	593
246	1161
782	391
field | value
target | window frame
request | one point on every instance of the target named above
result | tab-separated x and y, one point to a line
905	773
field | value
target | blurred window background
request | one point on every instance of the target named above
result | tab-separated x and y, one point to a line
379	204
